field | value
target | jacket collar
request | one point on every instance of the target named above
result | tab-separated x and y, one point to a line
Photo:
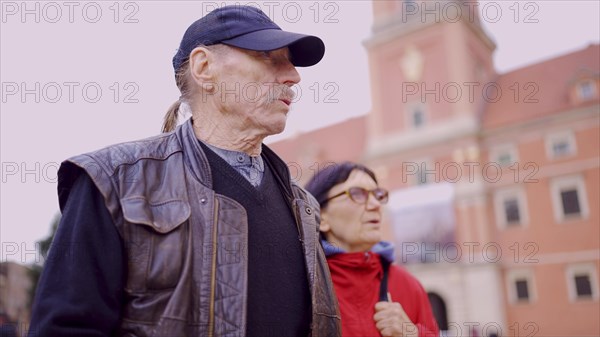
196	160
194	156
383	248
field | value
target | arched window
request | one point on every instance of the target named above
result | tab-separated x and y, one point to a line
438	306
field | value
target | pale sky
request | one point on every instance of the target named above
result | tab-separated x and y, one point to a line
102	74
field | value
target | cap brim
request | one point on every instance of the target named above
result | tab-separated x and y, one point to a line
306	50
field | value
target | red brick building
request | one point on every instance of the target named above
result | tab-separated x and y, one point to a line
494	177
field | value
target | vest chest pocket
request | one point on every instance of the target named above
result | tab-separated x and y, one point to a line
155	243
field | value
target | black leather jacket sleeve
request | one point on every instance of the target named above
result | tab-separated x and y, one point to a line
80	290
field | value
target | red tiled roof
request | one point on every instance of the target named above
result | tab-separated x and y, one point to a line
552	79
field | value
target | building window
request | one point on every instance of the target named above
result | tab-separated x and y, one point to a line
583	286
504	155
511	210
418	118
505	159
421	177
438	306
569	198
416	115
522	290
586	90
423	171
582	282
560	145
570	202
511	207
521	286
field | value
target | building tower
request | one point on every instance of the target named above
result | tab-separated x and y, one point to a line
430	62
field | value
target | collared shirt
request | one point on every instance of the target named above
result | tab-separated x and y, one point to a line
251	168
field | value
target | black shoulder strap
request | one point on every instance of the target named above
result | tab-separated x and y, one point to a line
383	287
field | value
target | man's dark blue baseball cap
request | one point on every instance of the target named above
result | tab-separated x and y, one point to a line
249	28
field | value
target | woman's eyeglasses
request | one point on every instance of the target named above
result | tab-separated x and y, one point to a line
360	195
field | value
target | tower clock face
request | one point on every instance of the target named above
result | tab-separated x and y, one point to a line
411	64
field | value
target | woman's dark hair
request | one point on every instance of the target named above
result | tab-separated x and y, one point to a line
331	175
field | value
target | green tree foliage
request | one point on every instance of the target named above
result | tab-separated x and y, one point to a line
43	246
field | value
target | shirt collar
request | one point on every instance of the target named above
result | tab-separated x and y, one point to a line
239	159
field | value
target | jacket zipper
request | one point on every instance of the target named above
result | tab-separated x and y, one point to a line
213	281
295	210
298	217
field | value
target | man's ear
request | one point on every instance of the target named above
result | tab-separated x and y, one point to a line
201	65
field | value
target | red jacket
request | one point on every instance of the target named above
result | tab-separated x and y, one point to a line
356	279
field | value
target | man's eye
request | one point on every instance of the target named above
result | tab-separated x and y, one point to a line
274	57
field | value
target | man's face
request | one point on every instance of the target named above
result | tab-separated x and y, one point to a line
254	89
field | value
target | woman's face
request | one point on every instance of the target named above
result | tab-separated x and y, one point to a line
350	225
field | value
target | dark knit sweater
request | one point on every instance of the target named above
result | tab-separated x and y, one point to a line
278	293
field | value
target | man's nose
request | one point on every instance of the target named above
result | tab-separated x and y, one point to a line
288	74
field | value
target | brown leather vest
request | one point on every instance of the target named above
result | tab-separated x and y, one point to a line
187	273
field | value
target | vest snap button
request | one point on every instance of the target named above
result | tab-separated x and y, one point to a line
203	201
308	210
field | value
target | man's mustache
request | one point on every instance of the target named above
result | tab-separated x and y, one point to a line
282	92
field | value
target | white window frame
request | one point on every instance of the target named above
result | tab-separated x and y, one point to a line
408	115
497	151
517	274
552	138
562	183
578	269
511	193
